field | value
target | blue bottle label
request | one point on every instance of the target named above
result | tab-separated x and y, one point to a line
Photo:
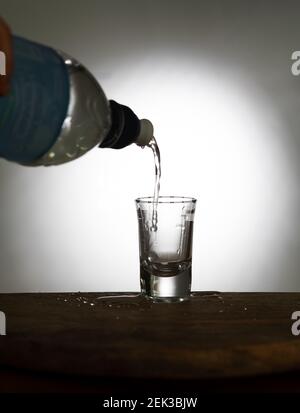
31	116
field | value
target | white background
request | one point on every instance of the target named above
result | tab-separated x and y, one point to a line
214	77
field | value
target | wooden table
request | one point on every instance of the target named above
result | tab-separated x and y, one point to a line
93	342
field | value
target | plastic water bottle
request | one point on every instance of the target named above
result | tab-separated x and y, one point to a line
56	110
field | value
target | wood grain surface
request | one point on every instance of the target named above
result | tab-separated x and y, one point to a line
212	336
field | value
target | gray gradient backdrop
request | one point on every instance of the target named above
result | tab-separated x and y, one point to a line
215	79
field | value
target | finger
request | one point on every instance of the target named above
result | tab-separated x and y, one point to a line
6	48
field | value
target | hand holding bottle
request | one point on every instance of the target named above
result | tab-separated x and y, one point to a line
54	110
6	47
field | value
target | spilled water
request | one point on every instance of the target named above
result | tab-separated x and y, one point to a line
111	301
105	297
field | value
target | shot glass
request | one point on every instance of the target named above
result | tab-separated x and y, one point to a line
165	244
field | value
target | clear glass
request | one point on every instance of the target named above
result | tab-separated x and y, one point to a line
166	248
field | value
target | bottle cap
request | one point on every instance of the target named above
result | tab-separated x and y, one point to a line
146	133
126	128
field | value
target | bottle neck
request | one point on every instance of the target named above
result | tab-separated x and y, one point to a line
126	128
